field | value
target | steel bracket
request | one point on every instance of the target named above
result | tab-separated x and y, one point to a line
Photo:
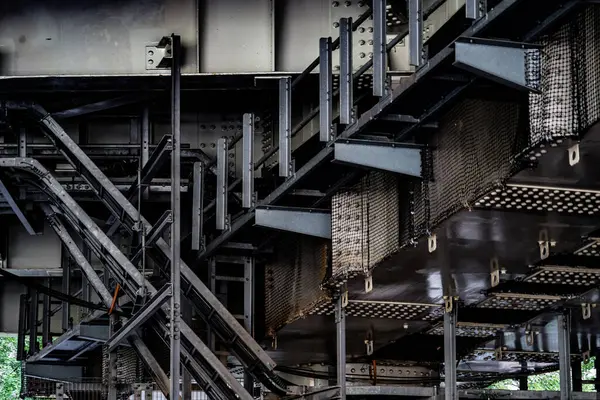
369	346
529	335
495	272
432	243
586	310
574	156
368	283
299	220
160	56
510	63
399	158
449	303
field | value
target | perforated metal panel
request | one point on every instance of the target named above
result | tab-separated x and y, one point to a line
565	276
519	301
537	357
365	225
591	249
293	280
470	329
384	309
542	199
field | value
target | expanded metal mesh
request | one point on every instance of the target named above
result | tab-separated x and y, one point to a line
293	279
569	100
364	225
129	367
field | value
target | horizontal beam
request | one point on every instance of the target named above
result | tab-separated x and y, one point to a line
298	220
399	158
53	371
136	320
35	273
508	63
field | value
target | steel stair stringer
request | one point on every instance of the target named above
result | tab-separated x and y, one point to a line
239	342
202	364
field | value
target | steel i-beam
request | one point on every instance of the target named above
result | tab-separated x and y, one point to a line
415	21
325	90
379	48
176	217
340	328
248	161
346	77
285	127
564	355
299	220
222	184
451	390
198	206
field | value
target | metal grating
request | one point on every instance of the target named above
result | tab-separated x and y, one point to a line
365	225
470	329
511	355
293	280
519	301
542	199
557	275
591	249
384	309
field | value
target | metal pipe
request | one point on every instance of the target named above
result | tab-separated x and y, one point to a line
175	217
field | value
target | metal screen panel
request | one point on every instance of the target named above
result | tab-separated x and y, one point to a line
569	100
293	279
364	225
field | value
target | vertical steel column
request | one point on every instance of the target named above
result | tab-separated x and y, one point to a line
564	355
523	384
145	144
176	216
222	183
475	8
22	142
198	207
379	48
285	127
249	310
248	161
66	286
325	90
346	78
186	382
415	23
46	319
22	327
597	368
33	318
576	372
60	391
340	325
451	391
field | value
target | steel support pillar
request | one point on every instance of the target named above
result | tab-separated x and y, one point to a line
222	217
475	9
523	384
112	364
576	373
415	21
33	319
46	319
60	391
176	218
597	368
346	71
212	286
86	293
145	138
451	390
248	160
379	48
22	327
186	381
198	207
564	355
340	328
66	287
249	310
325	90
285	127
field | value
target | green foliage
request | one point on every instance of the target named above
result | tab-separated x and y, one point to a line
10	369
549	381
